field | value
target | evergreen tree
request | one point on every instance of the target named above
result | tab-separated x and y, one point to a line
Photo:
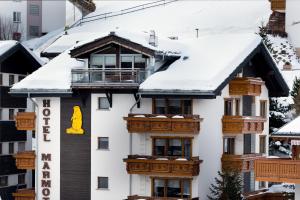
296	95
227	187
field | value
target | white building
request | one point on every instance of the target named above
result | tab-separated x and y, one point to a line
293	23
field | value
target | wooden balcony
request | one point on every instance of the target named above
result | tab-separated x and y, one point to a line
86	5
166	166
25	160
24	194
245	86
242	124
25	121
241	163
150	123
277	170
278	5
136	197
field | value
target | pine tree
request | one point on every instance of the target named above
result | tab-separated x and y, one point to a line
296	95
227	187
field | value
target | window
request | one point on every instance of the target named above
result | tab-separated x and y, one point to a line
180	188
21	110
263	109
34	9
179	147
11	113
11	79
103	143
1	113
21	179
20	78
228	107
0	148
262	144
97	61
102	182
34	31
103	103
228	145
110	62
3	181
126	62
21	146
172	106
139	62
11	148
16	17
262	184
1	79
237	107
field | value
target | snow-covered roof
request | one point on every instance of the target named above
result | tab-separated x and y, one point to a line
292	128
205	63
5	45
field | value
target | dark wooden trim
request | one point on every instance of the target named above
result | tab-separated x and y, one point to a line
109	96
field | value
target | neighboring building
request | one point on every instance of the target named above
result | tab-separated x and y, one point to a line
292	23
191	107
16	62
34	18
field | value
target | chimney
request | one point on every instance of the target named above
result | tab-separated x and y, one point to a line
153	38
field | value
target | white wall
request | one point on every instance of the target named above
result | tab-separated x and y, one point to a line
293	21
53	15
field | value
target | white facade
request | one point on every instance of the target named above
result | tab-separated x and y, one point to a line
292	25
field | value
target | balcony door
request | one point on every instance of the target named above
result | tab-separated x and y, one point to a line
177	188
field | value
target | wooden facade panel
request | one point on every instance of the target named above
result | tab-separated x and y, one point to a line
278	5
245	86
24	194
242	124
277	170
25	121
150	123
137	197
25	160
170	167
243	163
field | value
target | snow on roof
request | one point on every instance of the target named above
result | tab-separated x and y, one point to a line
290	128
205	63
5	45
179	18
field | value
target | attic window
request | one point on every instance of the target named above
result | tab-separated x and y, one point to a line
185	57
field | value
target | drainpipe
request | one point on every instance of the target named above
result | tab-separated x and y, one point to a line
36	106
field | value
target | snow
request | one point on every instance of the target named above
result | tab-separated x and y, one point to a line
5	45
292	127
284	187
209	63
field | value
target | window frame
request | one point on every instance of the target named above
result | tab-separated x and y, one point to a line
23	177
23	143
11	114
225	106
11	146
230	150
237	106
34	7
262	146
11	79
1	148
98	182
263	112
167	105
99	104
16	17
98	143
1	79
30	31
6	180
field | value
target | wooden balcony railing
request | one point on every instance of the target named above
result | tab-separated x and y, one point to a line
242	124
167	166
102	78
25	121
87	5
24	194
150	123
245	86
242	163
25	160
277	170
136	197
278	5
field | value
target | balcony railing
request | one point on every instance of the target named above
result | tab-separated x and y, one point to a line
242	124
119	78
239	162
277	170
24	194
245	86
25	160
166	166
150	123
278	5
136	197
25	121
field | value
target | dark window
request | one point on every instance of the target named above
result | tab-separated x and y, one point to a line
16	17
139	62
180	188
228	107
103	103
34	31
34	9
0	148
179	147
228	145
11	79
262	184
103	182
11	148
3	181
172	106
1	114
126	62
1	79
21	110
103	142
20	78
237	107
11	113
262	144
21	179
263	109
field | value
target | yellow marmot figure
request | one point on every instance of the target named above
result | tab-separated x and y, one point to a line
76	122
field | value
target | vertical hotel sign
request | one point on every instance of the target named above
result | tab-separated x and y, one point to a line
46	157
